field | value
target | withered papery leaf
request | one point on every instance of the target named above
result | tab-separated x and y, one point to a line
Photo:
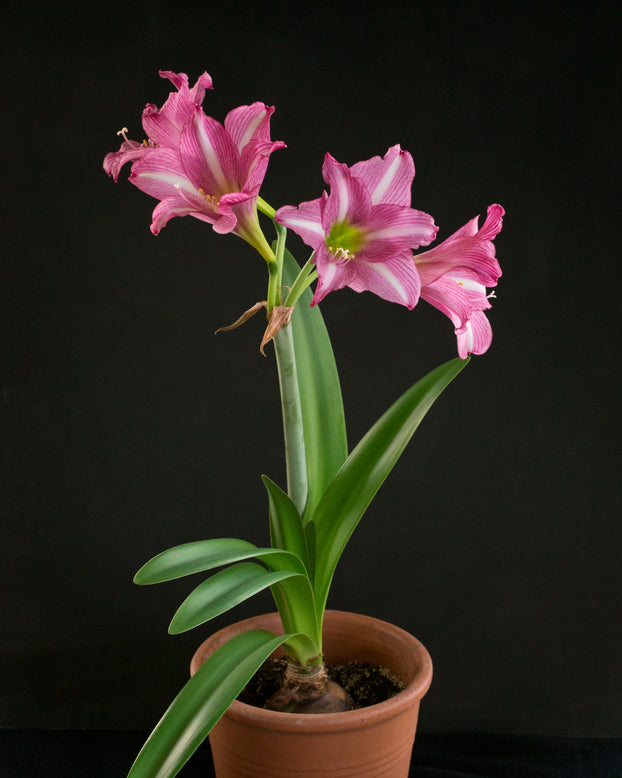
244	317
280	317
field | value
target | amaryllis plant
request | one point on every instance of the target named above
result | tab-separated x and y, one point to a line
362	231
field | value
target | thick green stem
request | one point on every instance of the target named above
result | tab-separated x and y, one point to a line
292	418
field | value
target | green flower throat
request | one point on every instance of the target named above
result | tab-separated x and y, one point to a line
344	240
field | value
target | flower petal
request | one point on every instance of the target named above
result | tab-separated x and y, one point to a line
463	301
130	150
166	209
209	155
397	227
348	199
450	298
178	80
388	179
305	220
475	337
203	82
494	222
240	206
248	122
393	279
468	248
254	161
163	125
332	275
160	173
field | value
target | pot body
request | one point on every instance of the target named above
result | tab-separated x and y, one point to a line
372	742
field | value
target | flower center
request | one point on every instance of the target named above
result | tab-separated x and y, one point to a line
213	201
343	241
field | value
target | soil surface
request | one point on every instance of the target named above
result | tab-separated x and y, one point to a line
365	683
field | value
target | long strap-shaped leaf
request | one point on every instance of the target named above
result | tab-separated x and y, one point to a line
294	597
326	447
223	591
286	528
291	587
355	485
202	555
201	703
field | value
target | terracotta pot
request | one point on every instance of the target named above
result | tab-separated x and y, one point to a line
372	742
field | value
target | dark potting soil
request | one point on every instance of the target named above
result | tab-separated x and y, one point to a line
365	683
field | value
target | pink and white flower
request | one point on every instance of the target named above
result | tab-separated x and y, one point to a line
162	126
362	232
197	166
455	274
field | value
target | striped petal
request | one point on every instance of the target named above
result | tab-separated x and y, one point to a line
468	249
254	161
130	151
209	155
166	209
164	125
388	179
392	228
161	173
393	279
450	298
475	337
463	302
305	220
248	122
332	274
348	200
235	210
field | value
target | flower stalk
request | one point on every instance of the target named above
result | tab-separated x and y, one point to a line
275	269
265	208
295	459
305	278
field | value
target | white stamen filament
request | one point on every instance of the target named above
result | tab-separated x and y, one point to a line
341	255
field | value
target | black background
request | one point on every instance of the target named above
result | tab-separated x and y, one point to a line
131	427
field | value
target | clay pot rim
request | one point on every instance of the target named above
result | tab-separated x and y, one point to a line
327	722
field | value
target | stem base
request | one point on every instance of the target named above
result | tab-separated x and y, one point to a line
309	690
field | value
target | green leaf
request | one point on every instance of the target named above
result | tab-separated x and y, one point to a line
294	597
223	591
323	419
202	555
354	487
311	538
295	602
286	529
201	703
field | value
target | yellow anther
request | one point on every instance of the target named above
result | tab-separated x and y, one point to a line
341	254
213	201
